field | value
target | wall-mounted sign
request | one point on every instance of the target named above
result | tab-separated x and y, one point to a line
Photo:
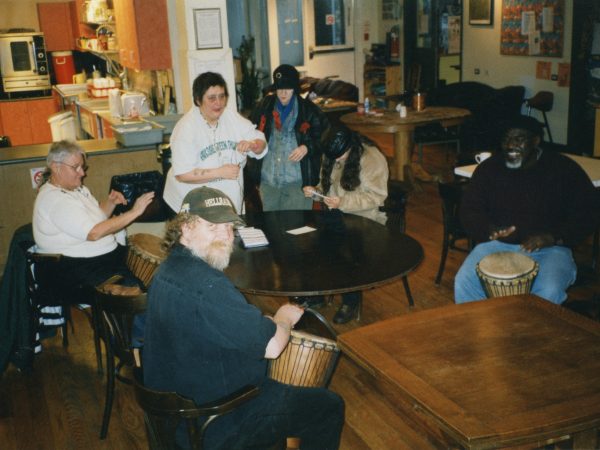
207	22
36	176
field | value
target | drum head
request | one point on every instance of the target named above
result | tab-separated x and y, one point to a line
148	245
296	336
506	265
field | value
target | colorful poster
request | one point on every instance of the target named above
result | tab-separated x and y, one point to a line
532	27
564	74
543	70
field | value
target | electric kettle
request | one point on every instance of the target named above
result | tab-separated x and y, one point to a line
134	104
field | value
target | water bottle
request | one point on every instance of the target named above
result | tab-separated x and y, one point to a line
367	105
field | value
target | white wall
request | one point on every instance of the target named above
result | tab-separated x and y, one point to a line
481	50
20	14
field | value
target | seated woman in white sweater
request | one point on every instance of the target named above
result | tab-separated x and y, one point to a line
68	220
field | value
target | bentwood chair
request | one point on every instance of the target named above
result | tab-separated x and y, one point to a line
451	194
164	412
117	314
395	208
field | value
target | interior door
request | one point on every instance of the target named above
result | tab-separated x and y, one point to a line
433	41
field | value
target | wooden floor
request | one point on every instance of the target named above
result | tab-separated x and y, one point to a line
59	405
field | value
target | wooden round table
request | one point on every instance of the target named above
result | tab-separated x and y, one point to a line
345	253
402	128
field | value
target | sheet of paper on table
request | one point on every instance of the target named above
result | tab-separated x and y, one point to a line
301	230
253	237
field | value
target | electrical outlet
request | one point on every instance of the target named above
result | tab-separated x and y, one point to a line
554	77
477	71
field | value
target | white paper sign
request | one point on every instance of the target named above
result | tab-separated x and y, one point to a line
548	19
527	22
534	42
36	176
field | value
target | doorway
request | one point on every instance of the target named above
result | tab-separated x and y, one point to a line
433	41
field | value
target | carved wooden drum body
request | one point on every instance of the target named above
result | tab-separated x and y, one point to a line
144	256
307	360
507	273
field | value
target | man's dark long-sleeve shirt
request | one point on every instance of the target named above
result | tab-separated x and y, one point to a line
553	196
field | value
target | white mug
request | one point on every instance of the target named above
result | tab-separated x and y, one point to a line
481	157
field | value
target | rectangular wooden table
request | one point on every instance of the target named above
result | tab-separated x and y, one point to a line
501	372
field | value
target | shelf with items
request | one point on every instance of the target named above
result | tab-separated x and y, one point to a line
104	40
382	83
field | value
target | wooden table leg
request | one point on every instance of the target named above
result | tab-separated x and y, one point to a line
585	439
402	146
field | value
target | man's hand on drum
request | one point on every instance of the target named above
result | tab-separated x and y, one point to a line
288	314
537	242
142	203
502	232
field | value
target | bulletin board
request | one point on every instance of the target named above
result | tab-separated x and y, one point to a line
532	28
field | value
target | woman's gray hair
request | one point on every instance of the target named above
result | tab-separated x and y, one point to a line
59	152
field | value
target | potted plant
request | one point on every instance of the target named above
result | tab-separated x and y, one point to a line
251	76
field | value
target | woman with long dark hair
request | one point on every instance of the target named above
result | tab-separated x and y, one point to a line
354	177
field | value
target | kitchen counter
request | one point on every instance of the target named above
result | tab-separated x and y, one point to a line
25	99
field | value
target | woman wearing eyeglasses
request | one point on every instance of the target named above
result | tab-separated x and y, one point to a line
210	144
68	220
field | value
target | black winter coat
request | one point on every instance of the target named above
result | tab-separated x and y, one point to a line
310	125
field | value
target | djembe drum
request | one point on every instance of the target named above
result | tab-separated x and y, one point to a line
144	256
507	273
307	360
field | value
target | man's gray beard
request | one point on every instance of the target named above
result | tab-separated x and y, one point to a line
217	254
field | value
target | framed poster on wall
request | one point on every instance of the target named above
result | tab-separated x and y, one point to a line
207	25
481	12
532	28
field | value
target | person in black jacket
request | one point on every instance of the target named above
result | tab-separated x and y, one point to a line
292	126
529	200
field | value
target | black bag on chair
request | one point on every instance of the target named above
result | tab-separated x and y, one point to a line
132	185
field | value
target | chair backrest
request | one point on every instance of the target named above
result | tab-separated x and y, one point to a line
117	313
165	411
451	195
542	101
395	205
42	291
49	301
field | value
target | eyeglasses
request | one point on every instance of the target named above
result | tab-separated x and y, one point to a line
76	168
214	98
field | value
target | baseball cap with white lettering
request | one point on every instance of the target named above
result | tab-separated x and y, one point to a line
212	205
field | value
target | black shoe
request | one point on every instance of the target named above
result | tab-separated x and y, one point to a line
346	313
314	302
